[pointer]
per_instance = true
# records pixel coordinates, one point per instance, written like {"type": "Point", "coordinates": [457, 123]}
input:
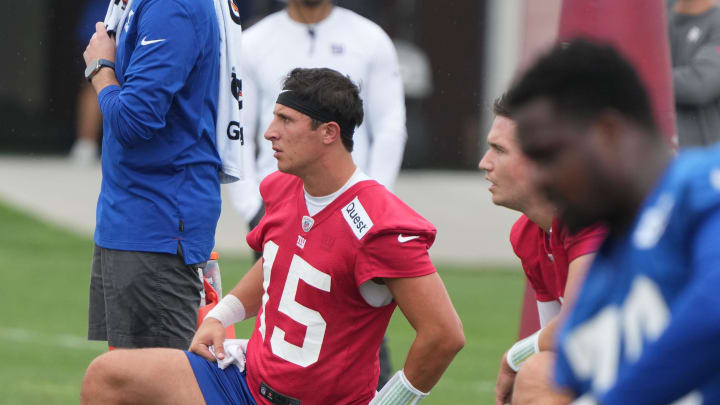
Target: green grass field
{"type": "Point", "coordinates": [44, 287]}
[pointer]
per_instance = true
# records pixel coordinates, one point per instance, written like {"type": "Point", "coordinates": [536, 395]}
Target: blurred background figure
{"type": "Point", "coordinates": [694, 31]}
{"type": "Point", "coordinates": [88, 120]}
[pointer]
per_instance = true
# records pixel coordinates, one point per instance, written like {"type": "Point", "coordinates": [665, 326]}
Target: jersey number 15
{"type": "Point", "coordinates": [309, 352]}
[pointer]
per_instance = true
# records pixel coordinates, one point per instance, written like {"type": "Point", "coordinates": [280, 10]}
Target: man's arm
{"type": "Point", "coordinates": [249, 289]}
{"type": "Point", "coordinates": [385, 114]}
{"type": "Point", "coordinates": [101, 46]}
{"type": "Point", "coordinates": [577, 269]}
{"type": "Point", "coordinates": [698, 82]}
{"type": "Point", "coordinates": [439, 334]}
{"type": "Point", "coordinates": [138, 108]}
{"type": "Point", "coordinates": [248, 293]}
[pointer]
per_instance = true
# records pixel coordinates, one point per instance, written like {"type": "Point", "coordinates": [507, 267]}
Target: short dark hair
{"type": "Point", "coordinates": [582, 78]}
{"type": "Point", "coordinates": [500, 106]}
{"type": "Point", "coordinates": [333, 92]}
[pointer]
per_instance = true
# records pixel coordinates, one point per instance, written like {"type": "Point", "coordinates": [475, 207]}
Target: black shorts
{"type": "Point", "coordinates": [143, 299]}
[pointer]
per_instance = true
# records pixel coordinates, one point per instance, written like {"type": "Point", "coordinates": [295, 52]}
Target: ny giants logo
{"type": "Point", "coordinates": [234, 130]}
{"type": "Point", "coordinates": [337, 49]}
{"type": "Point", "coordinates": [236, 88]}
{"type": "Point", "coordinates": [234, 8]}
{"type": "Point", "coordinates": [301, 242]}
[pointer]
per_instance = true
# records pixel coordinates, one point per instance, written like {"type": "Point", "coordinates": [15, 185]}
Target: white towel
{"type": "Point", "coordinates": [116, 15]}
{"type": "Point", "coordinates": [228, 132]}
{"type": "Point", "coordinates": [235, 350]}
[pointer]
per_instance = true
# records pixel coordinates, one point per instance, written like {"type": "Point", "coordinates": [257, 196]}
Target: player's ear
{"type": "Point", "coordinates": [608, 131]}
{"type": "Point", "coordinates": [331, 132]}
{"type": "Point", "coordinates": [609, 140]}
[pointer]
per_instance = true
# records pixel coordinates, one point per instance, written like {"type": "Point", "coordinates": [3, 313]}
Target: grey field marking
{"type": "Point", "coordinates": [35, 338]}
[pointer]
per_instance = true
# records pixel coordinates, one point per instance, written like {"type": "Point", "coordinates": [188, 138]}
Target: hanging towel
{"type": "Point", "coordinates": [116, 15]}
{"type": "Point", "coordinates": [228, 132]}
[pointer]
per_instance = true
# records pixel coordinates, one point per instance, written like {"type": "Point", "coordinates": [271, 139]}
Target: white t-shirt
{"type": "Point", "coordinates": [317, 204]}
{"type": "Point", "coordinates": [346, 42]}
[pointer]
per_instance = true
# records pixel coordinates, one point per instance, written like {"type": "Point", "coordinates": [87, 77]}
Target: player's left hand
{"type": "Point", "coordinates": [505, 382]}
{"type": "Point", "coordinates": [210, 333]}
{"type": "Point", "coordinates": [101, 46]}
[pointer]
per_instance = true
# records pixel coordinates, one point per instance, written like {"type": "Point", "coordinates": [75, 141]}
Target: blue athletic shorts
{"type": "Point", "coordinates": [220, 386]}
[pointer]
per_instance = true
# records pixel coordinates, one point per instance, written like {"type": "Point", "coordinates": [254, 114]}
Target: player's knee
{"type": "Point", "coordinates": [539, 365]}
{"type": "Point", "coordinates": [102, 379]}
{"type": "Point", "coordinates": [533, 383]}
{"type": "Point", "coordinates": [454, 337]}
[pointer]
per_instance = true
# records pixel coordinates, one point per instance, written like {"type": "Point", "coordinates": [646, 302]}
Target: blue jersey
{"type": "Point", "coordinates": [160, 166]}
{"type": "Point", "coordinates": [646, 326]}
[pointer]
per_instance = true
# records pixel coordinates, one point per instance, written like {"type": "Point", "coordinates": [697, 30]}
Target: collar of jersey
{"type": "Point", "coordinates": [342, 199]}
{"type": "Point", "coordinates": [314, 26]}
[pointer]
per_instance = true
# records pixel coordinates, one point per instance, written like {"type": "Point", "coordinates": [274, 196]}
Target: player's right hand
{"type": "Point", "coordinates": [100, 45]}
{"type": "Point", "coordinates": [210, 333]}
{"type": "Point", "coordinates": [505, 382]}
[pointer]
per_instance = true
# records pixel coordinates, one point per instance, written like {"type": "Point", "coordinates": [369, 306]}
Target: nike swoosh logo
{"type": "Point", "coordinates": [403, 239]}
{"type": "Point", "coordinates": [152, 41]}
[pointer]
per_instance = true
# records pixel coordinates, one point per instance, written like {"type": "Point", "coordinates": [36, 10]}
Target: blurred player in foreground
{"type": "Point", "coordinates": [340, 252]}
{"type": "Point", "coordinates": [645, 326]}
{"type": "Point", "coordinates": [554, 261]}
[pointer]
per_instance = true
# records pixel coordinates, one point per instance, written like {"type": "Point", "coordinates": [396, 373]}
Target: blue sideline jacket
{"type": "Point", "coordinates": [159, 161]}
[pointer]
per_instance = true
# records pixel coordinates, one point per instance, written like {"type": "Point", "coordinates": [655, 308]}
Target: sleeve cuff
{"type": "Point", "coordinates": [106, 93]}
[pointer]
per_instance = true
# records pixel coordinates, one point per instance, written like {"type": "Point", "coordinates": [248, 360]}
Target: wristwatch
{"type": "Point", "coordinates": [95, 66]}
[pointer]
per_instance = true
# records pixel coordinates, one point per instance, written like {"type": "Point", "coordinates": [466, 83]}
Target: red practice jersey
{"type": "Point", "coordinates": [545, 259]}
{"type": "Point", "coordinates": [316, 338]}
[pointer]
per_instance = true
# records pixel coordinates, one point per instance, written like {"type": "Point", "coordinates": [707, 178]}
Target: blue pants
{"type": "Point", "coordinates": [220, 386]}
